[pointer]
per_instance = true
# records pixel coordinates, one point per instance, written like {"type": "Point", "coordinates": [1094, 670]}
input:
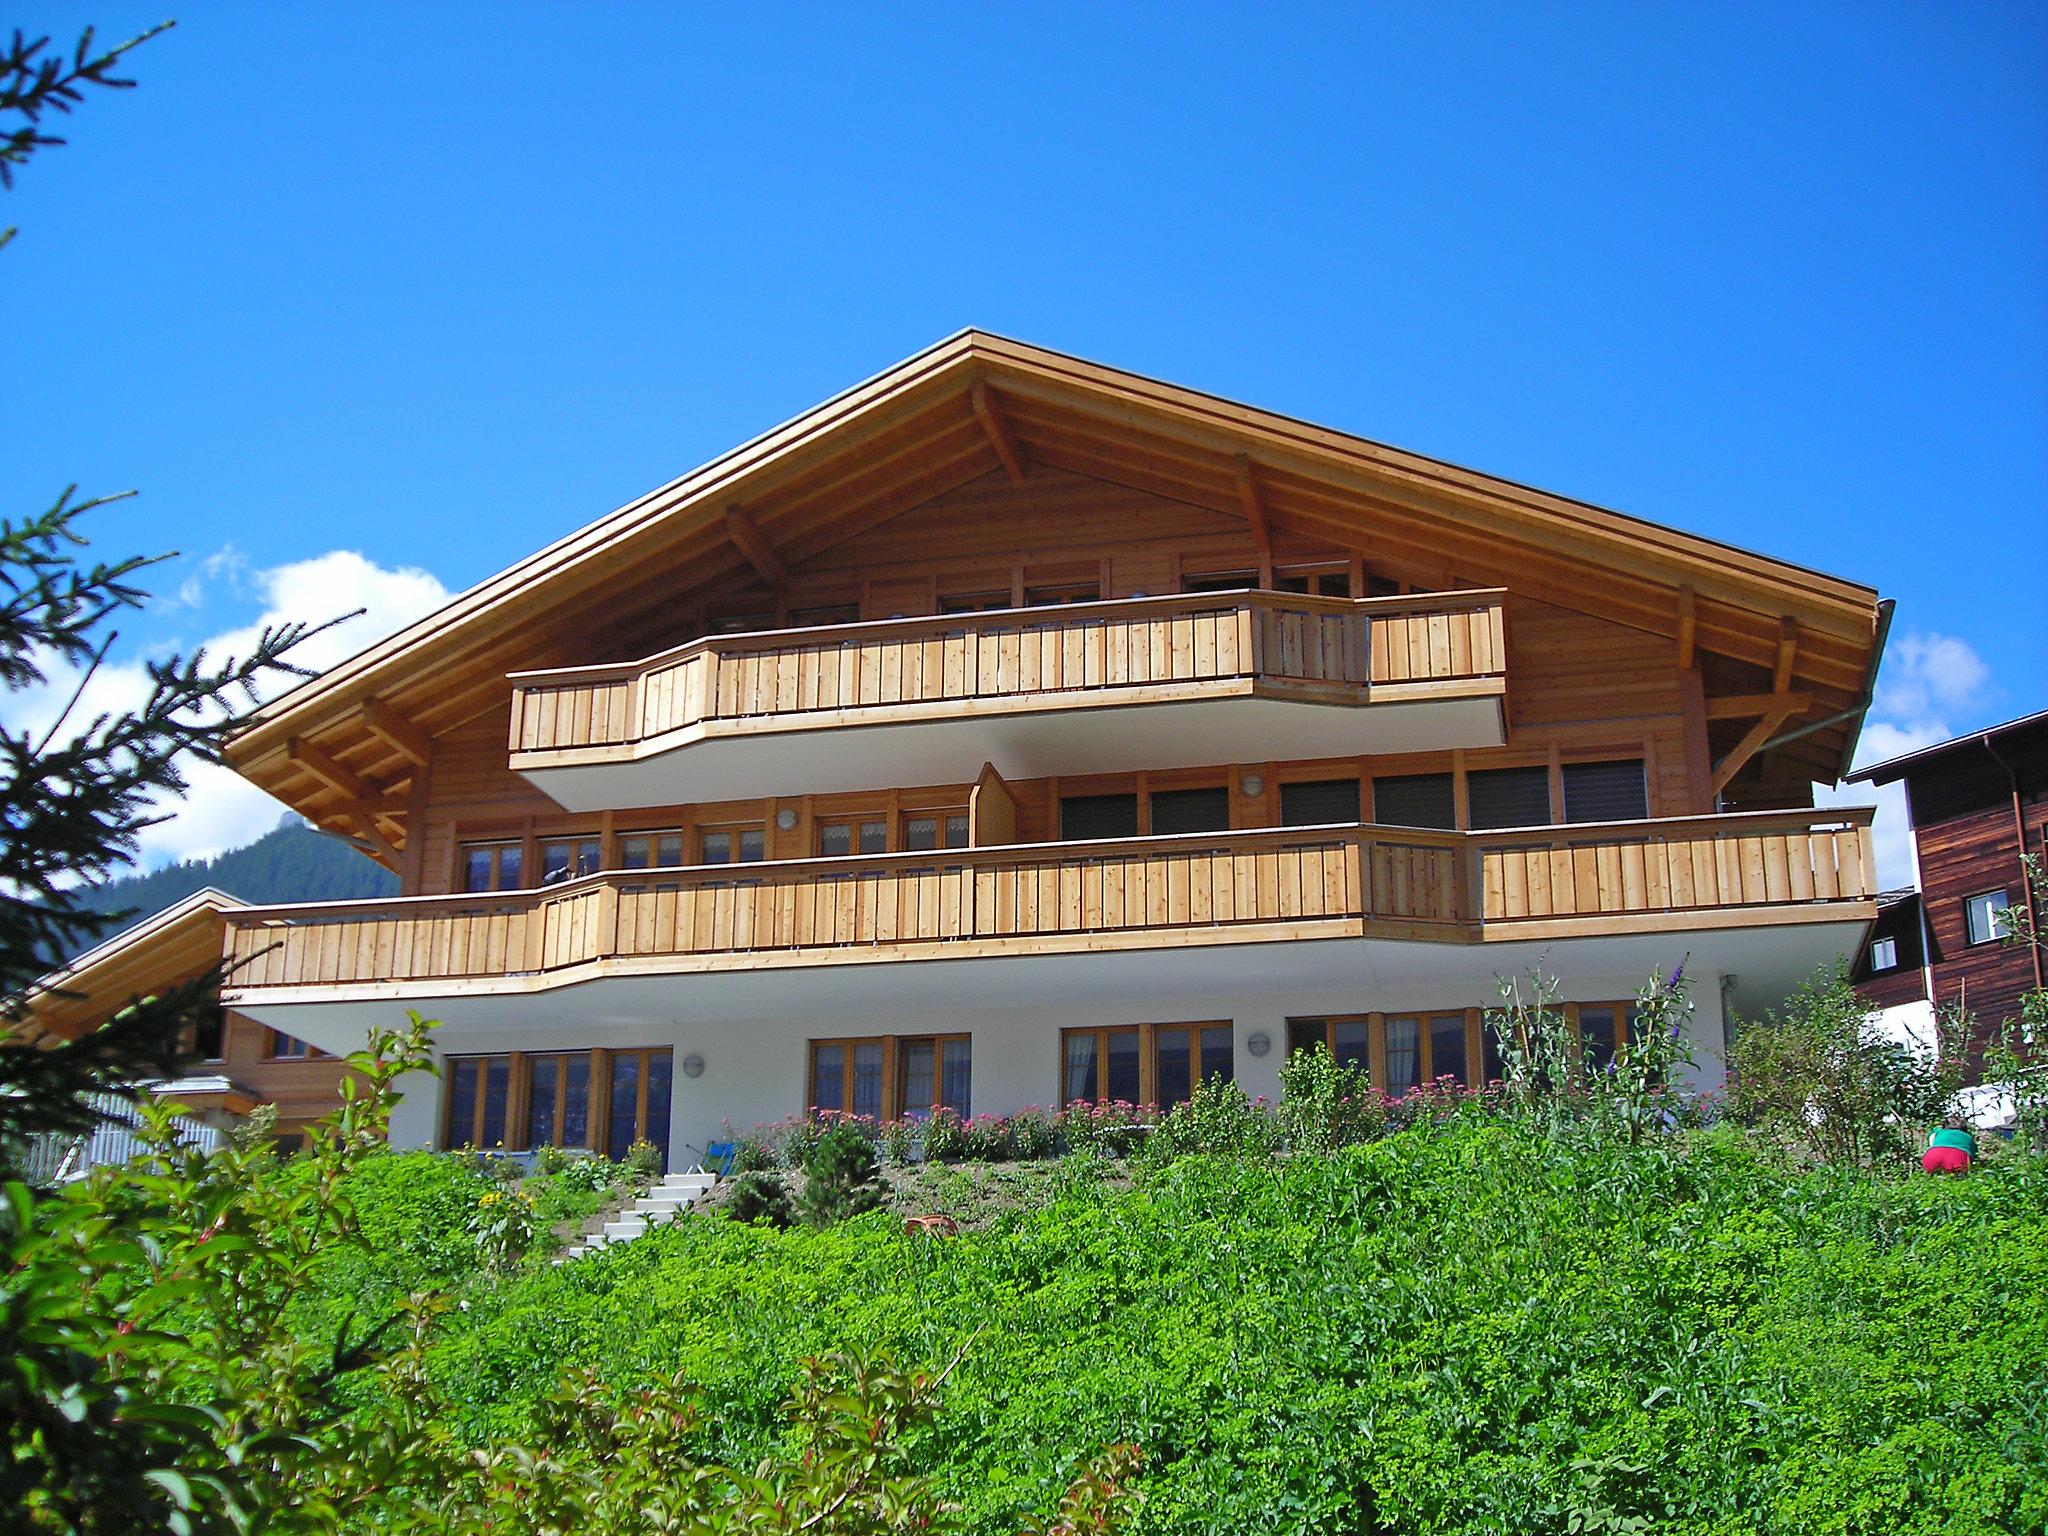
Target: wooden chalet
{"type": "Point", "coordinates": [1080, 735]}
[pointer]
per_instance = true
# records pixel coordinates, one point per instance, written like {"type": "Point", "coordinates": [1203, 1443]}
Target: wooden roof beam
{"type": "Point", "coordinates": [990, 415]}
{"type": "Point", "coordinates": [1254, 507]}
{"type": "Point", "coordinates": [1766, 727]}
{"type": "Point", "coordinates": [1688, 628]}
{"type": "Point", "coordinates": [1788, 653]}
{"type": "Point", "coordinates": [397, 732]}
{"type": "Point", "coordinates": [1747, 706]}
{"type": "Point", "coordinates": [340, 778]}
{"type": "Point", "coordinates": [367, 830]}
{"type": "Point", "coordinates": [752, 543]}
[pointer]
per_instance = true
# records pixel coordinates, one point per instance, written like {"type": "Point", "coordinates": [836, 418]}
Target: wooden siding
{"type": "Point", "coordinates": [1097, 652]}
{"type": "Point", "coordinates": [1962, 807]}
{"type": "Point", "coordinates": [1278, 884]}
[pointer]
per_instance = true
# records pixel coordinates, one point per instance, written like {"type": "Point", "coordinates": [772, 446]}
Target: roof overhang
{"type": "Point", "coordinates": [342, 747]}
{"type": "Point", "coordinates": [176, 944]}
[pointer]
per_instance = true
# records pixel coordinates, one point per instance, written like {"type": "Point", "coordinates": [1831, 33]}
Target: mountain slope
{"type": "Point", "coordinates": [291, 862]}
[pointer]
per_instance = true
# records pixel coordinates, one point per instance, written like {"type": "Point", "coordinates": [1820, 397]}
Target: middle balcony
{"type": "Point", "coordinates": [1153, 682]}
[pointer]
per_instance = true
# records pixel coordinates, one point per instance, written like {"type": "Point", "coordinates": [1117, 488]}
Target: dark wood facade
{"type": "Point", "coordinates": [1977, 804]}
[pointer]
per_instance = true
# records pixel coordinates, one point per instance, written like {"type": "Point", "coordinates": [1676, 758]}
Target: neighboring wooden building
{"type": "Point", "coordinates": [237, 1063]}
{"type": "Point", "coordinates": [1082, 735]}
{"type": "Point", "coordinates": [1977, 804]}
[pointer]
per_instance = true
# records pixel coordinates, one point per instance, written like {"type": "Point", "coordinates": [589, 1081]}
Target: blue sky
{"type": "Point", "coordinates": [352, 293]}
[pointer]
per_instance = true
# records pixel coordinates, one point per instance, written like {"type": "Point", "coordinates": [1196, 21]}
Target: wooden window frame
{"type": "Point", "coordinates": [601, 1096]}
{"type": "Point", "coordinates": [939, 814]}
{"type": "Point", "coordinates": [846, 1044]}
{"type": "Point", "coordinates": [735, 829]}
{"type": "Point", "coordinates": [653, 837]}
{"type": "Point", "coordinates": [1314, 573]}
{"type": "Point", "coordinates": [473, 1137]}
{"type": "Point", "coordinates": [273, 1047]}
{"type": "Point", "coordinates": [1376, 1041]}
{"type": "Point", "coordinates": [2003, 894]}
{"type": "Point", "coordinates": [1890, 944]}
{"type": "Point", "coordinates": [1148, 1056]}
{"type": "Point", "coordinates": [575, 841]}
{"type": "Point", "coordinates": [854, 822]}
{"type": "Point", "coordinates": [521, 1092]}
{"type": "Point", "coordinates": [497, 847]}
{"type": "Point", "coordinates": [895, 1094]}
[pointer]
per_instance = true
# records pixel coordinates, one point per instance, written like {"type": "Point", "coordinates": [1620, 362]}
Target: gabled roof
{"type": "Point", "coordinates": [338, 746]}
{"type": "Point", "coordinates": [160, 951]}
{"type": "Point", "coordinates": [1898, 767]}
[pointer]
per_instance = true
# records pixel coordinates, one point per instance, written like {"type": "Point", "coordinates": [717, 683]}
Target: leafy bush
{"type": "Point", "coordinates": [989, 1139]}
{"type": "Point", "coordinates": [503, 1225]}
{"type": "Point", "coordinates": [1108, 1130]}
{"type": "Point", "coordinates": [760, 1196]}
{"type": "Point", "coordinates": [550, 1160]}
{"type": "Point", "coordinates": [1219, 1119]}
{"type": "Point", "coordinates": [644, 1160]}
{"type": "Point", "coordinates": [945, 1136]}
{"type": "Point", "coordinates": [1818, 1076]}
{"type": "Point", "coordinates": [1326, 1104]}
{"type": "Point", "coordinates": [840, 1179]}
{"type": "Point", "coordinates": [753, 1154]}
{"type": "Point", "coordinates": [897, 1140]}
{"type": "Point", "coordinates": [1035, 1133]}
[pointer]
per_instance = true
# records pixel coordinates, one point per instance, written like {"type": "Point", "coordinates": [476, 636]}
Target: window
{"type": "Point", "coordinates": [742, 623]}
{"type": "Point", "coordinates": [1346, 1039]}
{"type": "Point", "coordinates": [1884, 954]}
{"type": "Point", "coordinates": [1509, 797]}
{"type": "Point", "coordinates": [934, 1071]}
{"type": "Point", "coordinates": [1085, 818]}
{"type": "Point", "coordinates": [1319, 803]}
{"type": "Point", "coordinates": [818, 618]}
{"type": "Point", "coordinates": [568, 858]}
{"type": "Point", "coordinates": [841, 839]}
{"type": "Point", "coordinates": [846, 1075]}
{"type": "Point", "coordinates": [1381, 586]}
{"type": "Point", "coordinates": [491, 866]}
{"type": "Point", "coordinates": [1599, 1033]}
{"type": "Point", "coordinates": [1615, 791]}
{"type": "Point", "coordinates": [1415, 800]}
{"type": "Point", "coordinates": [1060, 594]}
{"type": "Point", "coordinates": [479, 1094]}
{"type": "Point", "coordinates": [637, 1100]}
{"type": "Point", "coordinates": [1331, 583]}
{"type": "Point", "coordinates": [1411, 1049]}
{"type": "Point", "coordinates": [924, 830]}
{"type": "Point", "coordinates": [1220, 581]}
{"type": "Point", "coordinates": [653, 850]}
{"type": "Point", "coordinates": [1980, 914]}
{"type": "Point", "coordinates": [558, 1100]}
{"type": "Point", "coordinates": [284, 1047]}
{"type": "Point", "coordinates": [1190, 810]}
{"type": "Point", "coordinates": [1143, 1063]}
{"type": "Point", "coordinates": [973, 602]}
{"type": "Point", "coordinates": [207, 1037]}
{"type": "Point", "coordinates": [733, 845]}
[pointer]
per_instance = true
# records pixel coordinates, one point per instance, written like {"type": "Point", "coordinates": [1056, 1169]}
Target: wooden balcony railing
{"type": "Point", "coordinates": [1267, 885]}
{"type": "Point", "coordinates": [1339, 649]}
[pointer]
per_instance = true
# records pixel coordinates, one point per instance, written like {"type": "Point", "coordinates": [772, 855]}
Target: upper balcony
{"type": "Point", "coordinates": [1769, 894]}
{"type": "Point", "coordinates": [1157, 682]}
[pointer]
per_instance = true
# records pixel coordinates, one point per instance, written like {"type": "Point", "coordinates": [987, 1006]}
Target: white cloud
{"type": "Point", "coordinates": [221, 810]}
{"type": "Point", "coordinates": [1926, 681]}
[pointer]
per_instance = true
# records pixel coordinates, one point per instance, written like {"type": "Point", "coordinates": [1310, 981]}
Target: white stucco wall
{"type": "Point", "coordinates": [756, 1069]}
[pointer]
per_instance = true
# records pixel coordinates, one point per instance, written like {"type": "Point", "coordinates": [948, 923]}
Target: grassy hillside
{"type": "Point", "coordinates": [291, 862]}
{"type": "Point", "coordinates": [1467, 1326]}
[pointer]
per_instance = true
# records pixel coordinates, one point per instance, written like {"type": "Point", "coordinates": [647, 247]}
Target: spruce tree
{"type": "Point", "coordinates": [841, 1177]}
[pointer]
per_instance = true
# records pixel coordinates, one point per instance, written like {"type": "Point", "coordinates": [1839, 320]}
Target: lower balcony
{"type": "Point", "coordinates": [1771, 894]}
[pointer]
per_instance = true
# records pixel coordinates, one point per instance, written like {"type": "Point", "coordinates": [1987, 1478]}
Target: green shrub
{"type": "Point", "coordinates": [1219, 1119]}
{"type": "Point", "coordinates": [840, 1179]}
{"type": "Point", "coordinates": [753, 1154]}
{"type": "Point", "coordinates": [644, 1160]}
{"type": "Point", "coordinates": [1326, 1104]}
{"type": "Point", "coordinates": [989, 1139]}
{"type": "Point", "coordinates": [898, 1140]}
{"type": "Point", "coordinates": [550, 1160]}
{"type": "Point", "coordinates": [1036, 1134]}
{"type": "Point", "coordinates": [1819, 1077]}
{"type": "Point", "coordinates": [945, 1137]}
{"type": "Point", "coordinates": [760, 1197]}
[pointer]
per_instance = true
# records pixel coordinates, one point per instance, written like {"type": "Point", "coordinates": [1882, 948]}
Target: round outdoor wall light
{"type": "Point", "coordinates": [1253, 786]}
{"type": "Point", "coordinates": [1258, 1042]}
{"type": "Point", "coordinates": [693, 1065]}
{"type": "Point", "coordinates": [786, 819]}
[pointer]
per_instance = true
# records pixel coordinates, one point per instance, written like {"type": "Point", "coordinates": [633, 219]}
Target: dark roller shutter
{"type": "Point", "coordinates": [1319, 804]}
{"type": "Point", "coordinates": [1509, 797]}
{"type": "Point", "coordinates": [1414, 800]}
{"type": "Point", "coordinates": [1084, 818]}
{"type": "Point", "coordinates": [1605, 791]}
{"type": "Point", "coordinates": [1190, 810]}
